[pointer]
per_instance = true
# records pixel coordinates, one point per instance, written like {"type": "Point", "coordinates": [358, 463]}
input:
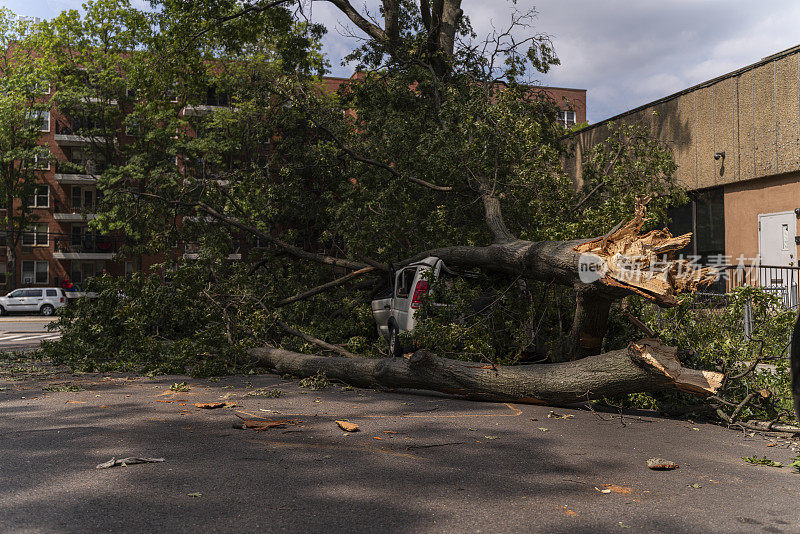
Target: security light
{"type": "Point", "coordinates": [720, 155]}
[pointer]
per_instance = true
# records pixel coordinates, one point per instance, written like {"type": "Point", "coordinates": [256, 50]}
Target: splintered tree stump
{"type": "Point", "coordinates": [646, 365]}
{"type": "Point", "coordinates": [643, 263]}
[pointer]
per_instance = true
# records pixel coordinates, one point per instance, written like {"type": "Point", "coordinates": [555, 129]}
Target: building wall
{"type": "Point", "coordinates": [753, 116]}
{"type": "Point", "coordinates": [566, 98]}
{"type": "Point", "coordinates": [745, 200]}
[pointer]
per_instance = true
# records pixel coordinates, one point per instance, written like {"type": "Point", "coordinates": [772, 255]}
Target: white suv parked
{"type": "Point", "coordinates": [44, 300]}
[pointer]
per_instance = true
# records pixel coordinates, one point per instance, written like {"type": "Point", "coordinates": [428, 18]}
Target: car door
{"type": "Point", "coordinates": [15, 300]}
{"type": "Point", "coordinates": [33, 300]}
{"type": "Point", "coordinates": [402, 296]}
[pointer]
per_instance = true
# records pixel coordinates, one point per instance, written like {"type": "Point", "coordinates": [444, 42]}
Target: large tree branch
{"type": "Point", "coordinates": [324, 287]}
{"type": "Point", "coordinates": [316, 341]}
{"type": "Point", "coordinates": [620, 263]}
{"type": "Point", "coordinates": [249, 8]}
{"type": "Point", "coordinates": [297, 252]}
{"type": "Point", "coordinates": [647, 365]}
{"type": "Point", "coordinates": [494, 219]}
{"type": "Point", "coordinates": [366, 26]}
{"type": "Point", "coordinates": [451, 14]}
{"type": "Point", "coordinates": [375, 163]}
{"type": "Point", "coordinates": [291, 249]}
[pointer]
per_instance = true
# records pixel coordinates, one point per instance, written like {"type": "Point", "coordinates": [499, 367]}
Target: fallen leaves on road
{"type": "Point", "coordinates": [260, 425]}
{"type": "Point", "coordinates": [124, 462]}
{"type": "Point", "coordinates": [613, 488]}
{"type": "Point", "coordinates": [556, 415]}
{"type": "Point", "coordinates": [761, 461]}
{"type": "Point", "coordinates": [347, 426]}
{"type": "Point", "coordinates": [195, 494]}
{"type": "Point", "coordinates": [209, 405]}
{"type": "Point", "coordinates": [660, 464]}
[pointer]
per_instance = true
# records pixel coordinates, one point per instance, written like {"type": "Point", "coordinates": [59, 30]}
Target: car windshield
{"type": "Point", "coordinates": [16, 294]}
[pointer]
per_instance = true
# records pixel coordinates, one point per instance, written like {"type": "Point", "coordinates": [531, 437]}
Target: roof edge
{"type": "Point", "coordinates": [763, 61]}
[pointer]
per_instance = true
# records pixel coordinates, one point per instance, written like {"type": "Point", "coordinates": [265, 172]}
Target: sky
{"type": "Point", "coordinates": [624, 53]}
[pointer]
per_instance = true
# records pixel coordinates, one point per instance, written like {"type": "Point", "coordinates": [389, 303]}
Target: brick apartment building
{"type": "Point", "coordinates": [736, 141]}
{"type": "Point", "coordinates": [61, 244]}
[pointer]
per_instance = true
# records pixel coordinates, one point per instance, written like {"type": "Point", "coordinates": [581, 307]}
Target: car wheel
{"type": "Point", "coordinates": [48, 310]}
{"type": "Point", "coordinates": [395, 348]}
{"type": "Point", "coordinates": [3, 311]}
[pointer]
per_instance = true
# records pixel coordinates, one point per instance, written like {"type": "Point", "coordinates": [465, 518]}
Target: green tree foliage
{"type": "Point", "coordinates": [712, 335]}
{"type": "Point", "coordinates": [24, 79]}
{"type": "Point", "coordinates": [405, 158]}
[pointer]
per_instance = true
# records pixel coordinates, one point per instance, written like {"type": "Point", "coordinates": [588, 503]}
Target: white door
{"type": "Point", "coordinates": [402, 296]}
{"type": "Point", "coordinates": [777, 248]}
{"type": "Point", "coordinates": [776, 233]}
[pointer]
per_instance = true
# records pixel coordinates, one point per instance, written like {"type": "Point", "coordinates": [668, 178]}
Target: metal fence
{"type": "Point", "coordinates": [782, 281]}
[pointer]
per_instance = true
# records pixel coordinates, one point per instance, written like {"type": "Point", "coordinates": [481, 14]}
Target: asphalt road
{"type": "Point", "coordinates": [418, 464]}
{"type": "Point", "coordinates": [21, 331]}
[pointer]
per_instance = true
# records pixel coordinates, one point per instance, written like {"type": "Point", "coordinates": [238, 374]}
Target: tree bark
{"type": "Point", "coordinates": [624, 261]}
{"type": "Point", "coordinates": [646, 365]}
{"type": "Point", "coordinates": [589, 324]}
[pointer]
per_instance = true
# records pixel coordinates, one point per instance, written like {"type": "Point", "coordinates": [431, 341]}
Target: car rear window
{"type": "Point", "coordinates": [33, 292]}
{"type": "Point", "coordinates": [52, 293]}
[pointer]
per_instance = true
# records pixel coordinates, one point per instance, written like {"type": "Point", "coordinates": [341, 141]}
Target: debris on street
{"type": "Point", "coordinates": [124, 462]}
{"type": "Point", "coordinates": [660, 464]}
{"type": "Point", "coordinates": [347, 426]}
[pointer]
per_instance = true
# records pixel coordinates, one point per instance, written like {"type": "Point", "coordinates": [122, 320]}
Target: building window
{"type": "Point", "coordinates": [42, 87]}
{"type": "Point", "coordinates": [566, 118]}
{"type": "Point", "coordinates": [42, 119]}
{"type": "Point", "coordinates": [35, 272]}
{"type": "Point", "coordinates": [83, 197]}
{"type": "Point", "coordinates": [133, 127]}
{"type": "Point", "coordinates": [3, 274]}
{"type": "Point", "coordinates": [35, 235]}
{"type": "Point", "coordinates": [129, 269]}
{"type": "Point", "coordinates": [82, 271]}
{"type": "Point", "coordinates": [40, 197]}
{"type": "Point", "coordinates": [40, 159]}
{"type": "Point", "coordinates": [704, 217]}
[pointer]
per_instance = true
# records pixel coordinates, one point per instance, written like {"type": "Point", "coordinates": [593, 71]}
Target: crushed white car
{"type": "Point", "coordinates": [395, 314]}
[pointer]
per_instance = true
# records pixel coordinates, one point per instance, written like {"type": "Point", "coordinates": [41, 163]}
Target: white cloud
{"type": "Point", "coordinates": [628, 53]}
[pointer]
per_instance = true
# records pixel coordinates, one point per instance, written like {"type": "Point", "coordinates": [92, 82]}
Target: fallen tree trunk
{"type": "Point", "coordinates": [646, 365]}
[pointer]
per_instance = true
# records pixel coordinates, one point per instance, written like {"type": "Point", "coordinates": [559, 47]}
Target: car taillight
{"type": "Point", "coordinates": [419, 292]}
{"type": "Point", "coordinates": [62, 299]}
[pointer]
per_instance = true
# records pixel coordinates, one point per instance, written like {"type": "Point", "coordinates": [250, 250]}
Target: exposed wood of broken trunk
{"type": "Point", "coordinates": [646, 365]}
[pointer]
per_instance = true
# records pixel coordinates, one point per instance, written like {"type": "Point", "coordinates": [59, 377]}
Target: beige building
{"type": "Point", "coordinates": [736, 140]}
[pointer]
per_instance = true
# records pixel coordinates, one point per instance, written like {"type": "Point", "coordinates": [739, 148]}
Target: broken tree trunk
{"type": "Point", "coordinates": [646, 365]}
{"type": "Point", "coordinates": [601, 270]}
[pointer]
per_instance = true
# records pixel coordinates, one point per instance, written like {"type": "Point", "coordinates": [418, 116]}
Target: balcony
{"type": "Point", "coordinates": [200, 110]}
{"type": "Point", "coordinates": [191, 251]}
{"type": "Point", "coordinates": [78, 173]}
{"type": "Point", "coordinates": [73, 213]}
{"type": "Point", "coordinates": [86, 246]}
{"type": "Point", "coordinates": [67, 135]}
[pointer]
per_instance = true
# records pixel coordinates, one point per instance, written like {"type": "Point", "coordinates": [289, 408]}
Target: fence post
{"type": "Point", "coordinates": [747, 319]}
